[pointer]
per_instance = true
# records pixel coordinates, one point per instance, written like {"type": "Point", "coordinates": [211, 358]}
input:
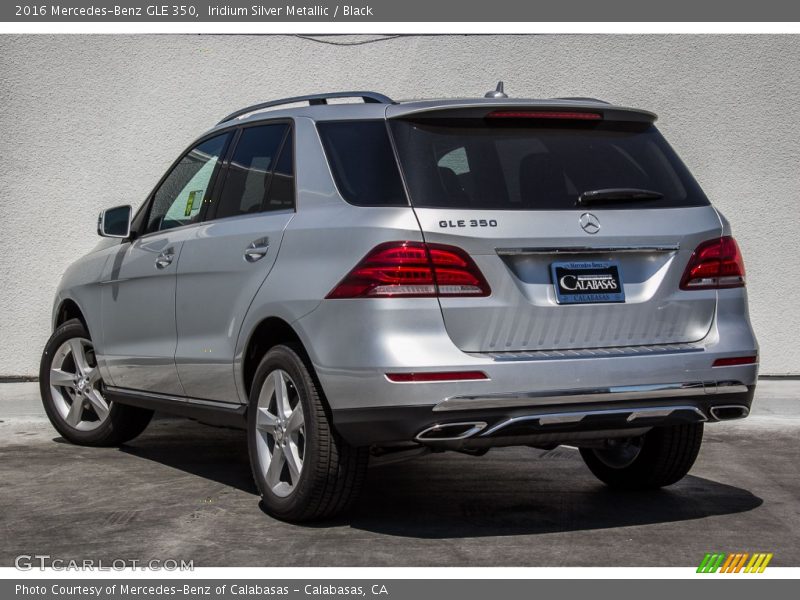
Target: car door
{"type": "Point", "coordinates": [227, 258]}
{"type": "Point", "coordinates": [138, 294]}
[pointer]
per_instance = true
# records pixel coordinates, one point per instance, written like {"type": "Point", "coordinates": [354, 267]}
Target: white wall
{"type": "Point", "coordinates": [89, 122]}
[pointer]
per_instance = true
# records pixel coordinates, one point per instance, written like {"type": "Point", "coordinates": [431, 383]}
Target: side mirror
{"type": "Point", "coordinates": [115, 222]}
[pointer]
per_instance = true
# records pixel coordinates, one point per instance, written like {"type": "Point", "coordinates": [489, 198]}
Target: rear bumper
{"type": "Point", "coordinates": [353, 344]}
{"type": "Point", "coordinates": [509, 420]}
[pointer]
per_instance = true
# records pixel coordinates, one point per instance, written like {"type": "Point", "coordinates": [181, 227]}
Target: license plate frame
{"type": "Point", "coordinates": [587, 282]}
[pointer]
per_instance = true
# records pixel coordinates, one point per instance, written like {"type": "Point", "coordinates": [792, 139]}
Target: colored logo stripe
{"type": "Point", "coordinates": [734, 563]}
{"type": "Point", "coordinates": [758, 563]}
{"type": "Point", "coordinates": [711, 562]}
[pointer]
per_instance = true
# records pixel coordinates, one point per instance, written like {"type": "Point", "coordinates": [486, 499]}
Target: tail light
{"type": "Point", "coordinates": [413, 270]}
{"type": "Point", "coordinates": [715, 264]}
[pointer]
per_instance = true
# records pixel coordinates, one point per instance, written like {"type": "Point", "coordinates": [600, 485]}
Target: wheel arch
{"type": "Point", "coordinates": [67, 310]}
{"type": "Point", "coordinates": [269, 333]}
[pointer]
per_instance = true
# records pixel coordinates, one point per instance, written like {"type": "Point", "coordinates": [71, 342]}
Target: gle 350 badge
{"type": "Point", "coordinates": [587, 282]}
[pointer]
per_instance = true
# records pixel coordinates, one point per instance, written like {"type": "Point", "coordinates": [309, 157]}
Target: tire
{"type": "Point", "coordinates": [665, 455]}
{"type": "Point", "coordinates": [303, 469]}
{"type": "Point", "coordinates": [63, 381]}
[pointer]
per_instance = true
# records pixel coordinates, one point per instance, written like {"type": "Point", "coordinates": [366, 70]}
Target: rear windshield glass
{"type": "Point", "coordinates": [362, 162]}
{"type": "Point", "coordinates": [518, 165]}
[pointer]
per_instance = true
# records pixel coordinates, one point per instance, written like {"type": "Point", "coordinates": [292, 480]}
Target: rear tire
{"type": "Point", "coordinates": [659, 458]}
{"type": "Point", "coordinates": [303, 469]}
{"type": "Point", "coordinates": [72, 393]}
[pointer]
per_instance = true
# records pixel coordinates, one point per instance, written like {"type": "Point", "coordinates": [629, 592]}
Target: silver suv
{"type": "Point", "coordinates": [347, 280]}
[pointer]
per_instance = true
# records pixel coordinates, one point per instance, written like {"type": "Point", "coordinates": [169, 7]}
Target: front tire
{"type": "Point", "coordinates": [659, 458]}
{"type": "Point", "coordinates": [303, 469]}
{"type": "Point", "coordinates": [72, 393]}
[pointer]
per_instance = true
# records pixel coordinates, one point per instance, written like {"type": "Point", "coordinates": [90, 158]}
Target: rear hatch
{"type": "Point", "coordinates": [504, 183]}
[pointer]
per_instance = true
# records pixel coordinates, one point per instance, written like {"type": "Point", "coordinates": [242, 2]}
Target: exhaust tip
{"type": "Point", "coordinates": [729, 412]}
{"type": "Point", "coordinates": [445, 432]}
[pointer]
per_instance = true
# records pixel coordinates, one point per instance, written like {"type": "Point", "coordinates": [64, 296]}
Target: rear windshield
{"type": "Point", "coordinates": [518, 165]}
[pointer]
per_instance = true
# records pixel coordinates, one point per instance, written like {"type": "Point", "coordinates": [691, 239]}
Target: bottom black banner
{"type": "Point", "coordinates": [396, 589]}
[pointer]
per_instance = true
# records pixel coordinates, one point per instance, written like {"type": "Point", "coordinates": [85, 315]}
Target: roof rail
{"type": "Point", "coordinates": [312, 99]}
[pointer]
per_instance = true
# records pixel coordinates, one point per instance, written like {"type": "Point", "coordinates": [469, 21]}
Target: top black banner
{"type": "Point", "coordinates": [365, 11]}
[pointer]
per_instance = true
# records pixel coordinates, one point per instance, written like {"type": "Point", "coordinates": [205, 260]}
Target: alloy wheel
{"type": "Point", "coordinates": [280, 433]}
{"type": "Point", "coordinates": [76, 385]}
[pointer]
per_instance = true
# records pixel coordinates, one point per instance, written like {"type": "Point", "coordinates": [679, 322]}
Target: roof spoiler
{"type": "Point", "coordinates": [479, 109]}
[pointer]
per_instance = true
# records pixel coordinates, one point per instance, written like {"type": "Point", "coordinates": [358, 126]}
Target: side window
{"type": "Point", "coordinates": [454, 175]}
{"type": "Point", "coordinates": [455, 160]}
{"type": "Point", "coordinates": [362, 161]}
{"type": "Point", "coordinates": [250, 170]}
{"type": "Point", "coordinates": [179, 198]}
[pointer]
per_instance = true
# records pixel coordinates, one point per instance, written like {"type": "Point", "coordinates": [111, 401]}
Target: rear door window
{"type": "Point", "coordinates": [249, 176]}
{"type": "Point", "coordinates": [518, 165]}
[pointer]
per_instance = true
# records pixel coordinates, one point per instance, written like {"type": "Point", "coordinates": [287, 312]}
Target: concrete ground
{"type": "Point", "coordinates": [183, 491]}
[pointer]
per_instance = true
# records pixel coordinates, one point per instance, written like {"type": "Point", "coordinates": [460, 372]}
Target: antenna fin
{"type": "Point", "coordinates": [498, 92]}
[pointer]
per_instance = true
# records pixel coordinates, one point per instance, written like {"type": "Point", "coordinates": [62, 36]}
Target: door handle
{"type": "Point", "coordinates": [165, 258]}
{"type": "Point", "coordinates": [256, 250]}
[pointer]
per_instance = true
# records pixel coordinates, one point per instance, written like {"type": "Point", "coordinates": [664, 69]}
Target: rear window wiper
{"type": "Point", "coordinates": [612, 194]}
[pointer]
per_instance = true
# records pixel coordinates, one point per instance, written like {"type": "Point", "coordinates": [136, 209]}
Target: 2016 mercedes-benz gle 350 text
{"type": "Point", "coordinates": [372, 278]}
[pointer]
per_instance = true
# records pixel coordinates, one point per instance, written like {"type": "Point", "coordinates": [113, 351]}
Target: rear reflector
{"type": "Point", "coordinates": [715, 264]}
{"type": "Point", "coordinates": [735, 361]}
{"type": "Point", "coordinates": [413, 270]}
{"type": "Point", "coordinates": [545, 114]}
{"type": "Point", "coordinates": [436, 376]}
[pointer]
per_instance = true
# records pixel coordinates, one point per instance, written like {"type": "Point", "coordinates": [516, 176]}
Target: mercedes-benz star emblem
{"type": "Point", "coordinates": [589, 223]}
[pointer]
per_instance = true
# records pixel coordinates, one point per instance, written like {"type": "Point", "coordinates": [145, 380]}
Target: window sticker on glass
{"type": "Point", "coordinates": [190, 202]}
{"type": "Point", "coordinates": [196, 186]}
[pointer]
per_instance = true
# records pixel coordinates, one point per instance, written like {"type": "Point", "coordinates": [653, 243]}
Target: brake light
{"type": "Point", "coordinates": [413, 270]}
{"type": "Point", "coordinates": [432, 376]}
{"type": "Point", "coordinates": [715, 264]}
{"type": "Point", "coordinates": [545, 114]}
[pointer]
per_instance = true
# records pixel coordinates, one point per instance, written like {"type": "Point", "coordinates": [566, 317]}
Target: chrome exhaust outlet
{"type": "Point", "coordinates": [728, 412]}
{"type": "Point", "coordinates": [447, 432]}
